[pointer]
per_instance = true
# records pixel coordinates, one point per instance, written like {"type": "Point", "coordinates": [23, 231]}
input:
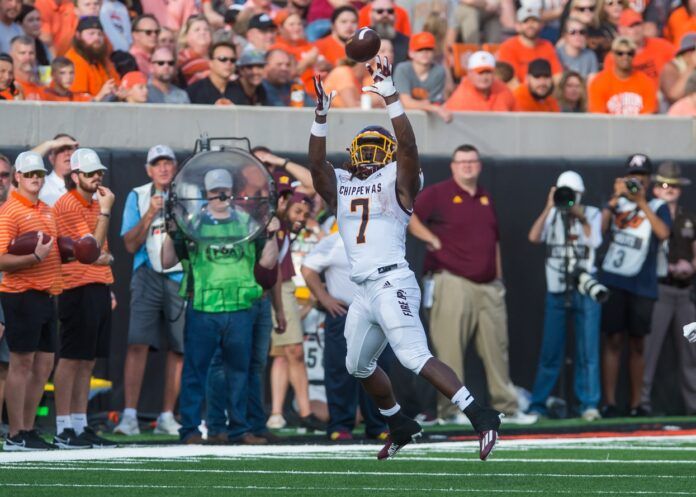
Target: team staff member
{"type": "Point", "coordinates": [457, 220]}
{"type": "Point", "coordinates": [343, 391]}
{"type": "Point", "coordinates": [84, 307]}
{"type": "Point", "coordinates": [674, 307]}
{"type": "Point", "coordinates": [155, 301]}
{"type": "Point", "coordinates": [637, 226]}
{"type": "Point", "coordinates": [28, 285]}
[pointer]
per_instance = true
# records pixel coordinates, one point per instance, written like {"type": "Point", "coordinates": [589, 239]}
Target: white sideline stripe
{"type": "Point", "coordinates": [330, 473]}
{"type": "Point", "coordinates": [467, 449]}
{"type": "Point", "coordinates": [354, 489]}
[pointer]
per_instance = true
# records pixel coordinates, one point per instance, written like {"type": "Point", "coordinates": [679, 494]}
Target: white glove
{"type": "Point", "coordinates": [382, 75]}
{"type": "Point", "coordinates": [323, 100]}
{"type": "Point", "coordinates": [690, 332]}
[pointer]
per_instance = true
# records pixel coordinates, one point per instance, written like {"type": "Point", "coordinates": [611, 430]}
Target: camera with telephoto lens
{"type": "Point", "coordinates": [588, 285]}
{"type": "Point", "coordinates": [633, 185]}
{"type": "Point", "coordinates": [564, 198]}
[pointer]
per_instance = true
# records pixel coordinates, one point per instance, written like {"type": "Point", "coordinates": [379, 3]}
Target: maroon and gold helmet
{"type": "Point", "coordinates": [372, 149]}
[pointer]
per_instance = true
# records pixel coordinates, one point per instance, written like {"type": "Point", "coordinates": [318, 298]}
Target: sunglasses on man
{"type": "Point", "coordinates": [384, 11]}
{"type": "Point", "coordinates": [34, 174]}
{"type": "Point", "coordinates": [164, 62]}
{"type": "Point", "coordinates": [91, 174]}
{"type": "Point", "coordinates": [627, 53]}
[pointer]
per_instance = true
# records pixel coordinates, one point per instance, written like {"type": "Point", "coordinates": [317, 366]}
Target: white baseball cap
{"type": "Point", "coordinates": [572, 180]}
{"type": "Point", "coordinates": [86, 160]}
{"type": "Point", "coordinates": [481, 61]}
{"type": "Point", "coordinates": [527, 11]}
{"type": "Point", "coordinates": [29, 161]}
{"type": "Point", "coordinates": [160, 152]}
{"type": "Point", "coordinates": [217, 178]}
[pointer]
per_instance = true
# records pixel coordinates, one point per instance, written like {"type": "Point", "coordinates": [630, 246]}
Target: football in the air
{"type": "Point", "coordinates": [87, 249]}
{"type": "Point", "coordinates": [363, 45]}
{"type": "Point", "coordinates": [66, 247]}
{"type": "Point", "coordinates": [25, 244]}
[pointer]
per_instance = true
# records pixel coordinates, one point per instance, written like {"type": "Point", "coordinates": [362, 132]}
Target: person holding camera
{"type": "Point", "coordinates": [637, 226]}
{"type": "Point", "coordinates": [674, 307]}
{"type": "Point", "coordinates": [572, 232]}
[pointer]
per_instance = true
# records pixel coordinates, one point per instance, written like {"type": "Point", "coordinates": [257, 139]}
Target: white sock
{"type": "Point", "coordinates": [79, 422]}
{"type": "Point", "coordinates": [129, 412]}
{"type": "Point", "coordinates": [462, 398]}
{"type": "Point", "coordinates": [166, 415]}
{"type": "Point", "coordinates": [391, 411]}
{"type": "Point", "coordinates": [63, 423]}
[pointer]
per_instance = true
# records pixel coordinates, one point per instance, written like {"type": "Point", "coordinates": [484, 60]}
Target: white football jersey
{"type": "Point", "coordinates": [372, 222]}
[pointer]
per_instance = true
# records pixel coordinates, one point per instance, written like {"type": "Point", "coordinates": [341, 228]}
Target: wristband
{"type": "Point", "coordinates": [320, 129]}
{"type": "Point", "coordinates": [395, 109]}
{"type": "Point", "coordinates": [287, 161]}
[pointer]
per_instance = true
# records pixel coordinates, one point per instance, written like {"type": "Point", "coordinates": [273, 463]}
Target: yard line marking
{"type": "Point", "coordinates": [370, 489]}
{"type": "Point", "coordinates": [330, 473]}
{"type": "Point", "coordinates": [328, 451]}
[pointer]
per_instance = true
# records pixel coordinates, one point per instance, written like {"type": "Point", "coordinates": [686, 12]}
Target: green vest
{"type": "Point", "coordinates": [219, 275]}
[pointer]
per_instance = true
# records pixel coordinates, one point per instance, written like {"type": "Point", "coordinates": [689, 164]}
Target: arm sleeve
{"type": "Point", "coordinates": [320, 256]}
{"type": "Point", "coordinates": [131, 214]}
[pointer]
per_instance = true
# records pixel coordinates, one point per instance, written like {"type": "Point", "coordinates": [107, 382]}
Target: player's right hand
{"type": "Point", "coordinates": [323, 100]}
{"type": "Point", "coordinates": [43, 249]}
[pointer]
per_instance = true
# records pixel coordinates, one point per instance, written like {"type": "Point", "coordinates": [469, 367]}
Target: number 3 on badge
{"type": "Point", "coordinates": [364, 204]}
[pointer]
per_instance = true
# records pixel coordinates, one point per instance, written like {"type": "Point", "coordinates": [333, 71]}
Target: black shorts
{"type": "Point", "coordinates": [625, 311]}
{"type": "Point", "coordinates": [85, 322]}
{"type": "Point", "coordinates": [30, 321]}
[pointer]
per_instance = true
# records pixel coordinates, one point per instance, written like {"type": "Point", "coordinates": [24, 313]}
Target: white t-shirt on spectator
{"type": "Point", "coordinates": [117, 26]}
{"type": "Point", "coordinates": [53, 189]}
{"type": "Point", "coordinates": [329, 257]}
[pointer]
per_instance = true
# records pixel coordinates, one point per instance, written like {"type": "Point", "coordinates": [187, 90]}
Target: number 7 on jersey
{"type": "Point", "coordinates": [364, 204]}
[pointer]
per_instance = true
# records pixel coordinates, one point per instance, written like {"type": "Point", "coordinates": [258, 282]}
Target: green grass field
{"type": "Point", "coordinates": [652, 466]}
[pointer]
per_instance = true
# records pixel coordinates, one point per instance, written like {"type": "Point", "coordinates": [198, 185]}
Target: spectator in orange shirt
{"type": "Point", "coordinates": [194, 43]}
{"type": "Point", "coordinates": [26, 71]}
{"type": "Point", "coordinates": [134, 88]}
{"type": "Point", "coordinates": [7, 88]}
{"type": "Point", "coordinates": [346, 81]}
{"type": "Point", "coordinates": [261, 33]}
{"type": "Point", "coordinates": [291, 38]}
{"type": "Point", "coordinates": [84, 307]}
{"type": "Point", "coordinates": [681, 21]}
{"type": "Point", "coordinates": [520, 50]}
{"type": "Point", "coordinates": [652, 53]}
{"type": "Point", "coordinates": [420, 81]}
{"type": "Point", "coordinates": [93, 69]}
{"type": "Point", "coordinates": [402, 23]}
{"type": "Point", "coordinates": [677, 71]}
{"type": "Point", "coordinates": [382, 20]}
{"type": "Point", "coordinates": [27, 291]}
{"type": "Point", "coordinates": [58, 21]}
{"type": "Point", "coordinates": [536, 94]}
{"type": "Point", "coordinates": [145, 31]}
{"type": "Point", "coordinates": [622, 90]}
{"type": "Point", "coordinates": [481, 91]}
{"type": "Point", "coordinates": [344, 22]}
{"type": "Point", "coordinates": [62, 78]}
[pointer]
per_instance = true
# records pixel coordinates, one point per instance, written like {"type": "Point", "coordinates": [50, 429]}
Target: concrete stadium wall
{"type": "Point", "coordinates": [498, 134]}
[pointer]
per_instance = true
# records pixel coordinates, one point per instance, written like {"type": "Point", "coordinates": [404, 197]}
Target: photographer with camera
{"type": "Point", "coordinates": [637, 226]}
{"type": "Point", "coordinates": [572, 232]}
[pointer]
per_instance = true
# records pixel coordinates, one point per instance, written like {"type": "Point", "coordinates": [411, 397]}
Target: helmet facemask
{"type": "Point", "coordinates": [371, 149]}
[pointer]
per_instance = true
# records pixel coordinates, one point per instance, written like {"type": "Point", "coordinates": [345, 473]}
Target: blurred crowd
{"type": "Point", "coordinates": [624, 57]}
{"type": "Point", "coordinates": [237, 320]}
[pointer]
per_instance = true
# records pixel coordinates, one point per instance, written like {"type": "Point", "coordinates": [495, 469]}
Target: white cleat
{"type": "Point", "coordinates": [166, 425]}
{"type": "Point", "coordinates": [128, 426]}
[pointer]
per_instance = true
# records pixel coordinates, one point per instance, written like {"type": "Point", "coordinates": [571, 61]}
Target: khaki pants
{"type": "Point", "coordinates": [462, 311]}
{"type": "Point", "coordinates": [470, 21]}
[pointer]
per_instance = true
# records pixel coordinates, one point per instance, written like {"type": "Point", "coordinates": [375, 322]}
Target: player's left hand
{"type": "Point", "coordinates": [323, 100]}
{"type": "Point", "coordinates": [382, 76]}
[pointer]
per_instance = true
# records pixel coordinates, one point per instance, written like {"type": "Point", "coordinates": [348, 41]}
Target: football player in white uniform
{"type": "Point", "coordinates": [373, 199]}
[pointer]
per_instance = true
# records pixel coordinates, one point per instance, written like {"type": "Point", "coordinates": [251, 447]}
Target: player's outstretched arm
{"type": "Point", "coordinates": [323, 175]}
{"type": "Point", "coordinates": [408, 170]}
